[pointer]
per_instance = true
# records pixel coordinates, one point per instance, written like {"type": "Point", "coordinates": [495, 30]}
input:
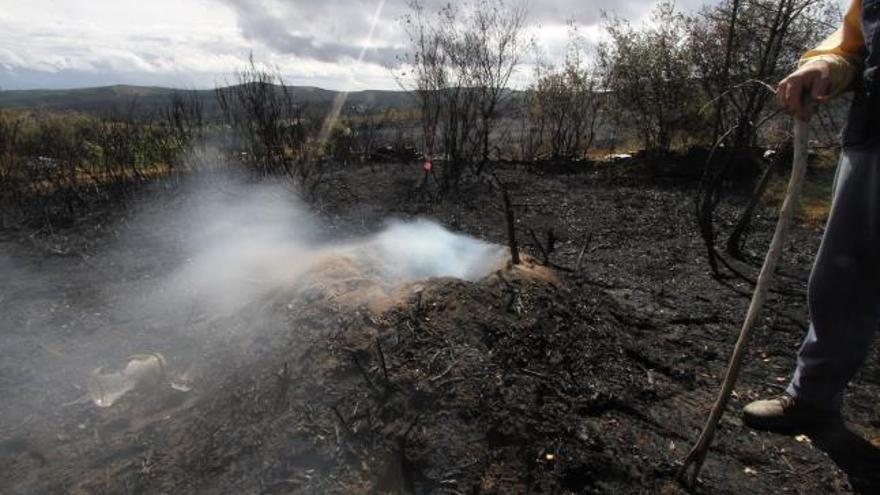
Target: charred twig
{"type": "Point", "coordinates": [433, 359]}
{"type": "Point", "coordinates": [551, 242]}
{"type": "Point", "coordinates": [283, 386]}
{"type": "Point", "coordinates": [411, 426]}
{"type": "Point", "coordinates": [342, 420]}
{"type": "Point", "coordinates": [511, 227]}
{"type": "Point", "coordinates": [511, 221]}
{"type": "Point", "coordinates": [545, 256]}
{"type": "Point", "coordinates": [382, 362]}
{"type": "Point", "coordinates": [511, 303]}
{"type": "Point", "coordinates": [535, 374]}
{"type": "Point", "coordinates": [546, 249]}
{"type": "Point", "coordinates": [363, 371]}
{"type": "Point", "coordinates": [580, 258]}
{"type": "Point", "coordinates": [444, 372]}
{"type": "Point", "coordinates": [419, 302]}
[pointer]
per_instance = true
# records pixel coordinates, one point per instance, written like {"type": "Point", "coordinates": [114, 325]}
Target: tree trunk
{"type": "Point", "coordinates": [737, 238]}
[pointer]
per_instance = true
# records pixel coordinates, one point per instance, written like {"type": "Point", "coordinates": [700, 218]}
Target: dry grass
{"type": "Point", "coordinates": [815, 199]}
{"type": "Point", "coordinates": [88, 178]}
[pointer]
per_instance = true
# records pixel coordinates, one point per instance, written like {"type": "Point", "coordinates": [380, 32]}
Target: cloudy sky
{"type": "Point", "coordinates": [198, 43]}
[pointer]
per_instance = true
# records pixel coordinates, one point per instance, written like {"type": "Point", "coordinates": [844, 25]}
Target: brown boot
{"type": "Point", "coordinates": [785, 414]}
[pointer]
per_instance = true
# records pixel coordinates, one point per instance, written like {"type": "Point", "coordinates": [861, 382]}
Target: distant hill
{"type": "Point", "coordinates": [117, 98]}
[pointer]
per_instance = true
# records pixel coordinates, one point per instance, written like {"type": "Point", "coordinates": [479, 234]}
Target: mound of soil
{"type": "Point", "coordinates": [514, 381]}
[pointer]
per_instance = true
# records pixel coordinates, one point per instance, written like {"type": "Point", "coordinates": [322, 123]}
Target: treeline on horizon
{"type": "Point", "coordinates": [677, 81]}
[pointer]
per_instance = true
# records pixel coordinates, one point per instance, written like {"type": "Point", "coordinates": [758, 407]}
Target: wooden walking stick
{"type": "Point", "coordinates": [694, 460]}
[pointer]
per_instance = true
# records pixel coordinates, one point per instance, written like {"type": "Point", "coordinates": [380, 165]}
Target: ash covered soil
{"type": "Point", "coordinates": [529, 380]}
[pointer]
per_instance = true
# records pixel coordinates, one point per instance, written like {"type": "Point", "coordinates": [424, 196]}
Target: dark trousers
{"type": "Point", "coordinates": [844, 288]}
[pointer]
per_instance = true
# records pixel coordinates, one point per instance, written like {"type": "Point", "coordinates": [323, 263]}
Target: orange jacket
{"type": "Point", "coordinates": [844, 50]}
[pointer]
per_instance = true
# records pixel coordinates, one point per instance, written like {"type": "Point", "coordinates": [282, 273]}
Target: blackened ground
{"type": "Point", "coordinates": [595, 382]}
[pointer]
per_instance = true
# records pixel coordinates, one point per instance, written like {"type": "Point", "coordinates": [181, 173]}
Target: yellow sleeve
{"type": "Point", "coordinates": [844, 50]}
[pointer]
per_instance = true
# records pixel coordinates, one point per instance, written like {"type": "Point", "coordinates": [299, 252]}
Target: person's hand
{"type": "Point", "coordinates": [800, 92]}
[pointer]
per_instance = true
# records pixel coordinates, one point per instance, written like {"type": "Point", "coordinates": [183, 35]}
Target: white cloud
{"type": "Point", "coordinates": [161, 37]}
{"type": "Point", "coordinates": [196, 43]}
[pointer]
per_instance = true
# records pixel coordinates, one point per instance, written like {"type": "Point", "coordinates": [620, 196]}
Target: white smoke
{"type": "Point", "coordinates": [245, 242]}
{"type": "Point", "coordinates": [423, 249]}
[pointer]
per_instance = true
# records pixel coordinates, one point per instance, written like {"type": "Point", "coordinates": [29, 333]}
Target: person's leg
{"type": "Point", "coordinates": [844, 288]}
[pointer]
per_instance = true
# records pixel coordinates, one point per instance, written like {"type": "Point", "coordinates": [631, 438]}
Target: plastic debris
{"type": "Point", "coordinates": [182, 382]}
{"type": "Point", "coordinates": [106, 387]}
